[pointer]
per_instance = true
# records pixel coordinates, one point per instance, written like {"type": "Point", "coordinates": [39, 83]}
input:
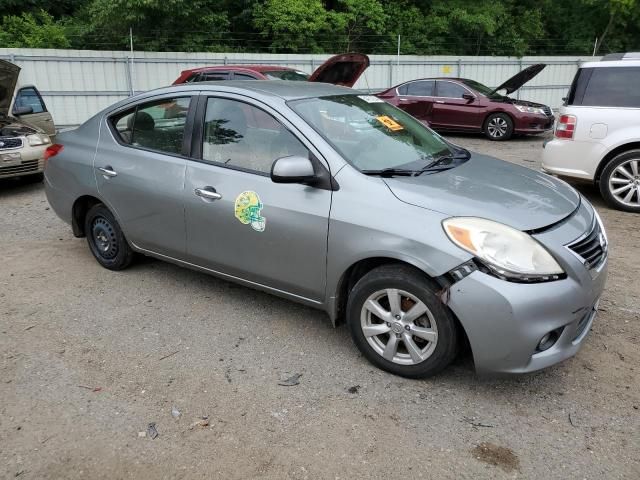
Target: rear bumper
{"type": "Point", "coordinates": [572, 158]}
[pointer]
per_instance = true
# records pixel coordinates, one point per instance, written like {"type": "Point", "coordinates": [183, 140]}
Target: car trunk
{"type": "Point", "coordinates": [344, 69]}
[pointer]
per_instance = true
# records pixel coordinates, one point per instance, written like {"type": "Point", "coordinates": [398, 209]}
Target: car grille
{"type": "Point", "coordinates": [27, 166]}
{"type": "Point", "coordinates": [6, 143]}
{"type": "Point", "coordinates": [547, 111]}
{"type": "Point", "coordinates": [592, 248]}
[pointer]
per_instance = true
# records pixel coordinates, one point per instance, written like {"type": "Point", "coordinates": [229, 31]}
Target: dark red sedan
{"type": "Point", "coordinates": [460, 104]}
{"type": "Point", "coordinates": [343, 69]}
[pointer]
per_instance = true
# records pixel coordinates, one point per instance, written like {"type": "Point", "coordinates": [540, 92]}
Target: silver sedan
{"type": "Point", "coordinates": [335, 199]}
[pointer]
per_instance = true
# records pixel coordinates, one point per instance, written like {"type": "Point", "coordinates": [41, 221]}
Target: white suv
{"type": "Point", "coordinates": [597, 135]}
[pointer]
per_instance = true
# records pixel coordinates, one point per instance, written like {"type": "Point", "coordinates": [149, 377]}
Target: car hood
{"type": "Point", "coordinates": [520, 78]}
{"type": "Point", "coordinates": [493, 189]}
{"type": "Point", "coordinates": [12, 127]}
{"type": "Point", "coordinates": [8, 79]}
{"type": "Point", "coordinates": [344, 69]}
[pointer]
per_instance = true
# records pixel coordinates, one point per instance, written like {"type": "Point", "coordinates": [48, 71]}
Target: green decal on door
{"type": "Point", "coordinates": [247, 210]}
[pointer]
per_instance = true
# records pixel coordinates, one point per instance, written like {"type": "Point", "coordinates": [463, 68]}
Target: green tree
{"type": "Point", "coordinates": [291, 25]}
{"type": "Point", "coordinates": [32, 30]}
{"type": "Point", "coordinates": [355, 23]}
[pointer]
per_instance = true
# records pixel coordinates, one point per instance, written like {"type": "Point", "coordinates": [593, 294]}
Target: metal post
{"type": "Point", "coordinates": [128, 72]}
{"type": "Point", "coordinates": [313, 65]}
{"type": "Point", "coordinates": [520, 69]}
{"type": "Point", "coordinates": [131, 73]}
{"type": "Point", "coordinates": [459, 68]}
{"type": "Point", "coordinates": [391, 73]}
{"type": "Point", "coordinates": [398, 61]}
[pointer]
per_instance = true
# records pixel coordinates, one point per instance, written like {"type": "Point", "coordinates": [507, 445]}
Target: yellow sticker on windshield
{"type": "Point", "coordinates": [390, 123]}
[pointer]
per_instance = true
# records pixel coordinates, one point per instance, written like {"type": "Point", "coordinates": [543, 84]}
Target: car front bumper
{"type": "Point", "coordinates": [18, 162]}
{"type": "Point", "coordinates": [505, 321]}
{"type": "Point", "coordinates": [532, 124]}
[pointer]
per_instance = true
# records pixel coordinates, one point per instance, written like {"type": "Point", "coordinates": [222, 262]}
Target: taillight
{"type": "Point", "coordinates": [566, 126]}
{"type": "Point", "coordinates": [52, 151]}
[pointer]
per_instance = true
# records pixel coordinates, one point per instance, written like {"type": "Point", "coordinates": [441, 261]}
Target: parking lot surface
{"type": "Point", "coordinates": [90, 357]}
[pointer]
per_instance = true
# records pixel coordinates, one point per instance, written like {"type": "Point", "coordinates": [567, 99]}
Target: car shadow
{"type": "Point", "coordinates": [12, 186]}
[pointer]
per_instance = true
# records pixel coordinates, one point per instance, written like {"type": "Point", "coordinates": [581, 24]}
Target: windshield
{"type": "Point", "coordinates": [482, 89]}
{"type": "Point", "coordinates": [286, 75]}
{"type": "Point", "coordinates": [370, 133]}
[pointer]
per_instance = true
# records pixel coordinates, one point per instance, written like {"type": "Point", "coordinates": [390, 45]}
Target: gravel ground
{"type": "Point", "coordinates": [90, 357]}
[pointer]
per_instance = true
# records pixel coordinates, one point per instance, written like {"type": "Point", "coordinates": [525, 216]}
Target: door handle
{"type": "Point", "coordinates": [439, 101]}
{"type": "Point", "coordinates": [108, 171]}
{"type": "Point", "coordinates": [208, 193]}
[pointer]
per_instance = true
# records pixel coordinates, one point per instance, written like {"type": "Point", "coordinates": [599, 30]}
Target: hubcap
{"type": "Point", "coordinates": [624, 183]}
{"type": "Point", "coordinates": [497, 127]}
{"type": "Point", "coordinates": [399, 327]}
{"type": "Point", "coordinates": [104, 238]}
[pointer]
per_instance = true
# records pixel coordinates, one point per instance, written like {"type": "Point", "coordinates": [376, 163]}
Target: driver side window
{"type": "Point", "coordinates": [240, 135]}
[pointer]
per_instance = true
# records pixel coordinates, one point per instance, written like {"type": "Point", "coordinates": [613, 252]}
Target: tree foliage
{"type": "Point", "coordinates": [435, 27]}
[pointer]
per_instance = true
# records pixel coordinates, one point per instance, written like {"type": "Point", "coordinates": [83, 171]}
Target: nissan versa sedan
{"type": "Point", "coordinates": [464, 105]}
{"type": "Point", "coordinates": [336, 199]}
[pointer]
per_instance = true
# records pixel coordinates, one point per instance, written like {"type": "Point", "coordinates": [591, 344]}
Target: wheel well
{"type": "Point", "coordinates": [359, 269]}
{"type": "Point", "coordinates": [613, 153]}
{"type": "Point", "coordinates": [80, 208]}
{"type": "Point", "coordinates": [484, 121]}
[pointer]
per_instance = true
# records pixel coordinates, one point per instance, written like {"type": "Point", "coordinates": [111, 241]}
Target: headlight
{"type": "Point", "coordinates": [526, 109]}
{"type": "Point", "coordinates": [38, 139]}
{"type": "Point", "coordinates": [508, 253]}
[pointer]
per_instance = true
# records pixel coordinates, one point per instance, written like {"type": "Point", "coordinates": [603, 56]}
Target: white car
{"type": "Point", "coordinates": [597, 136]}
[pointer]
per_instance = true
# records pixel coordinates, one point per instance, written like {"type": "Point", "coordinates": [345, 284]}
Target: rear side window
{"type": "Point", "coordinates": [212, 76]}
{"type": "Point", "coordinates": [29, 97]}
{"type": "Point", "coordinates": [242, 76]}
{"type": "Point", "coordinates": [155, 125]}
{"type": "Point", "coordinates": [606, 87]}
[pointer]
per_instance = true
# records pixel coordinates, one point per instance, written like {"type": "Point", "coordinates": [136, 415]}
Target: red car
{"type": "Point", "coordinates": [344, 69]}
{"type": "Point", "coordinates": [461, 104]}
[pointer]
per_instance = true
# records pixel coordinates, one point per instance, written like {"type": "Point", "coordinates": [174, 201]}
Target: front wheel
{"type": "Point", "coordinates": [106, 240]}
{"type": "Point", "coordinates": [498, 126]}
{"type": "Point", "coordinates": [398, 322]}
{"type": "Point", "coordinates": [620, 181]}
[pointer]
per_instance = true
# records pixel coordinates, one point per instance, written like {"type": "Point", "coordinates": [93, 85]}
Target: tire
{"type": "Point", "coordinates": [498, 126]}
{"type": "Point", "coordinates": [437, 344]}
{"type": "Point", "coordinates": [106, 240]}
{"type": "Point", "coordinates": [620, 181]}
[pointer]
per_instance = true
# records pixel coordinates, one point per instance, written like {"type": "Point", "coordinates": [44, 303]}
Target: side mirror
{"type": "Point", "coordinates": [25, 110]}
{"type": "Point", "coordinates": [294, 169]}
{"type": "Point", "coordinates": [468, 97]}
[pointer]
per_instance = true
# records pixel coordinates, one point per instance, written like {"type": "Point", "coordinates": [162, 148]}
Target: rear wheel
{"type": "Point", "coordinates": [498, 126]}
{"type": "Point", "coordinates": [620, 181]}
{"type": "Point", "coordinates": [106, 240]}
{"type": "Point", "coordinates": [398, 322]}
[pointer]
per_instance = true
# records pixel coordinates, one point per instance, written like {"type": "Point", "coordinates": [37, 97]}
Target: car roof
{"type": "Point", "coordinates": [286, 89]}
{"type": "Point", "coordinates": [612, 63]}
{"type": "Point", "coordinates": [255, 68]}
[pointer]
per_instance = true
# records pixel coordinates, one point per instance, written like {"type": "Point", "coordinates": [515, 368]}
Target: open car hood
{"type": "Point", "coordinates": [520, 78]}
{"type": "Point", "coordinates": [8, 79]}
{"type": "Point", "coordinates": [344, 69]}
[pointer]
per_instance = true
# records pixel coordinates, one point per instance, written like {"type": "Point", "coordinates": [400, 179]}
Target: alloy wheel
{"type": "Point", "coordinates": [624, 183]}
{"type": "Point", "coordinates": [399, 326]}
{"type": "Point", "coordinates": [497, 127]}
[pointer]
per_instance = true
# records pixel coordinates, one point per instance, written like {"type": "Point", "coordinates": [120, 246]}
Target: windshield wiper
{"type": "Point", "coordinates": [391, 172]}
{"type": "Point", "coordinates": [436, 164]}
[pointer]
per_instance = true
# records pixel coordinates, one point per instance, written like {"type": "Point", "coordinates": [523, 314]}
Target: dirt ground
{"type": "Point", "coordinates": [89, 358]}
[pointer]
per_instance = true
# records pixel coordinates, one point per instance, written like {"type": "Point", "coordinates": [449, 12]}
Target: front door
{"type": "Point", "coordinates": [451, 110]}
{"type": "Point", "coordinates": [140, 171]}
{"type": "Point", "coordinates": [39, 116]}
{"type": "Point", "coordinates": [238, 221]}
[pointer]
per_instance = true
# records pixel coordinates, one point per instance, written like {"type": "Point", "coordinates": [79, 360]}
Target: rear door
{"type": "Point", "coordinates": [451, 110]}
{"type": "Point", "coordinates": [416, 98]}
{"type": "Point", "coordinates": [238, 221]}
{"type": "Point", "coordinates": [29, 97]}
{"type": "Point", "coordinates": [140, 170]}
